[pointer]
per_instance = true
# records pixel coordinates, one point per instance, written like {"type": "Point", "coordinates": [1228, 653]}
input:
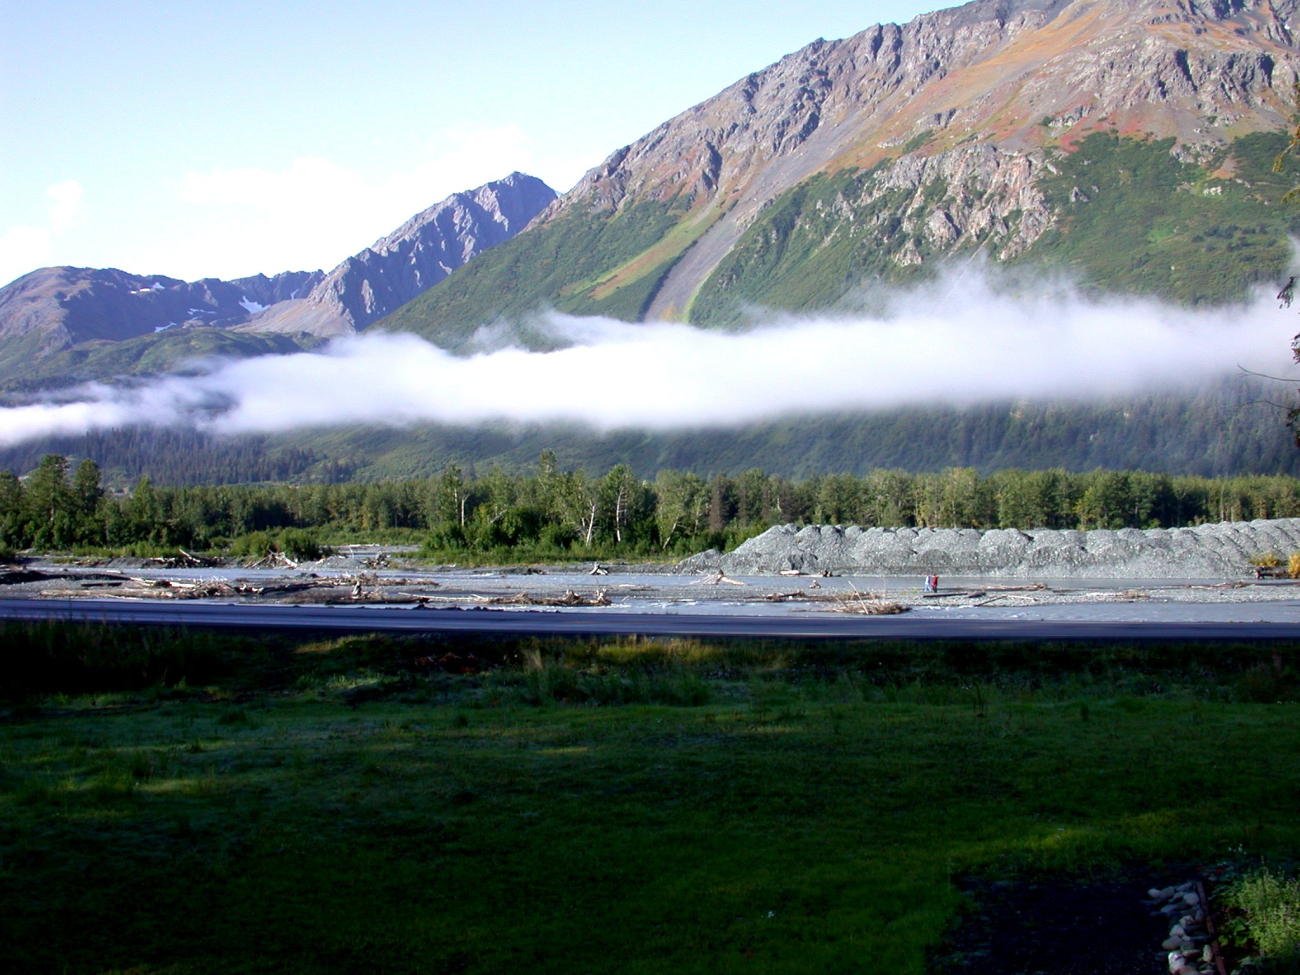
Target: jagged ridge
{"type": "Point", "coordinates": [410, 260]}
{"type": "Point", "coordinates": [1005, 86]}
{"type": "Point", "coordinates": [63, 323]}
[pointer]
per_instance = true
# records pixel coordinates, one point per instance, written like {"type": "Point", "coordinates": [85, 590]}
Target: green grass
{"type": "Point", "coordinates": [631, 806]}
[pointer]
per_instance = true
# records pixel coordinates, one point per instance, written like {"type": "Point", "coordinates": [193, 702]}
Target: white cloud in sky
{"type": "Point", "coordinates": [939, 344]}
{"type": "Point", "coordinates": [25, 248]}
{"type": "Point", "coordinates": [67, 201]}
{"type": "Point", "coordinates": [314, 213]}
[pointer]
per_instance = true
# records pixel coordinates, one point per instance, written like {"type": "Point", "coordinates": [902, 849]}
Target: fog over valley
{"type": "Point", "coordinates": [957, 341]}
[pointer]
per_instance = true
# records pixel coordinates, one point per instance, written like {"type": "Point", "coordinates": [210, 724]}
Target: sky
{"type": "Point", "coordinates": [223, 140]}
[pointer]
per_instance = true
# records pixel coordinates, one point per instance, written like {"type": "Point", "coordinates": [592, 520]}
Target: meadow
{"type": "Point", "coordinates": [190, 802]}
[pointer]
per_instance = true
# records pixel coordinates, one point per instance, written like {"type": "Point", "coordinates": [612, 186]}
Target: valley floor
{"type": "Point", "coordinates": [375, 576]}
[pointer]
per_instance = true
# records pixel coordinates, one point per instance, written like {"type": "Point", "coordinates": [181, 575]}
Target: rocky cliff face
{"type": "Point", "coordinates": [995, 89]}
{"type": "Point", "coordinates": [410, 260]}
{"type": "Point", "coordinates": [1015, 77]}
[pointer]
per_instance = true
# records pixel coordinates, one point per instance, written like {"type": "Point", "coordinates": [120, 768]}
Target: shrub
{"type": "Point", "coordinates": [299, 545]}
{"type": "Point", "coordinates": [558, 536]}
{"type": "Point", "coordinates": [1271, 905]}
{"type": "Point", "coordinates": [253, 545]}
{"type": "Point", "coordinates": [296, 543]}
{"type": "Point", "coordinates": [443, 538]}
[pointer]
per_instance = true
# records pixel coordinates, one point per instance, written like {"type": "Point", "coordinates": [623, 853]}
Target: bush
{"type": "Point", "coordinates": [1271, 905]}
{"type": "Point", "coordinates": [559, 537]}
{"type": "Point", "coordinates": [443, 538]}
{"type": "Point", "coordinates": [296, 543]}
{"type": "Point", "coordinates": [253, 545]}
{"type": "Point", "coordinates": [299, 545]}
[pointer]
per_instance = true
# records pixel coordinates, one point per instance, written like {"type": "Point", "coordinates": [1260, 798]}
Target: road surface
{"type": "Point", "coordinates": [404, 619]}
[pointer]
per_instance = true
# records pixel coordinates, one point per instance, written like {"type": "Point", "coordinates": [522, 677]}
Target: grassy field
{"type": "Point", "coordinates": [198, 803]}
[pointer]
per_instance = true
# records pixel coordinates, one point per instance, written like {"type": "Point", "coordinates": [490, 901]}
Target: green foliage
{"type": "Point", "coordinates": [144, 355]}
{"type": "Point", "coordinates": [1229, 429]}
{"type": "Point", "coordinates": [1271, 905]}
{"type": "Point", "coordinates": [296, 543]}
{"type": "Point", "coordinates": [253, 545]}
{"type": "Point", "coordinates": [299, 545]}
{"type": "Point", "coordinates": [917, 141]}
{"type": "Point", "coordinates": [802, 253]}
{"type": "Point", "coordinates": [179, 456]}
{"type": "Point", "coordinates": [557, 265]}
{"type": "Point", "coordinates": [552, 514]}
{"type": "Point", "coordinates": [1134, 218]}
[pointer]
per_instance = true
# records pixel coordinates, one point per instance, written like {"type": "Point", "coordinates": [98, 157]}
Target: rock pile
{"type": "Point", "coordinates": [1188, 943]}
{"type": "Point", "coordinates": [1204, 552]}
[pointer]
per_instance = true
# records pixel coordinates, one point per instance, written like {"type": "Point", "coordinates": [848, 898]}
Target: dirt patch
{"type": "Point", "coordinates": [1056, 927]}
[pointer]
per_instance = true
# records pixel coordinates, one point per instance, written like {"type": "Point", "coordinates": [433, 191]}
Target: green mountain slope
{"type": "Point", "coordinates": [143, 355]}
{"type": "Point", "coordinates": [1129, 217]}
{"type": "Point", "coordinates": [1128, 142]}
{"type": "Point", "coordinates": [1228, 430]}
{"type": "Point", "coordinates": [583, 263]}
{"type": "Point", "coordinates": [1135, 219]}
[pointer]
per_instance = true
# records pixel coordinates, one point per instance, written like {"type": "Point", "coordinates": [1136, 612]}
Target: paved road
{"type": "Point", "coordinates": [534, 623]}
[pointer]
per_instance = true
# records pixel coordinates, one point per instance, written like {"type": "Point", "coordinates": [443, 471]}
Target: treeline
{"type": "Point", "coordinates": [182, 457]}
{"type": "Point", "coordinates": [1223, 430]}
{"type": "Point", "coordinates": [550, 512]}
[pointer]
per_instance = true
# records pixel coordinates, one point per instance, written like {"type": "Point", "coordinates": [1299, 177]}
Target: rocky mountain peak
{"type": "Point", "coordinates": [1018, 75]}
{"type": "Point", "coordinates": [414, 257]}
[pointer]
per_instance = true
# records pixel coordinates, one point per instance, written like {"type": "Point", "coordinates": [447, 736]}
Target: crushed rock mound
{"type": "Point", "coordinates": [1206, 551]}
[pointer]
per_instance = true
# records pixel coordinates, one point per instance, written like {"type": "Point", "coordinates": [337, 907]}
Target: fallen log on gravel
{"type": "Point", "coordinates": [273, 560]}
{"type": "Point", "coordinates": [718, 578]}
{"type": "Point", "coordinates": [181, 560]}
{"type": "Point", "coordinates": [568, 598]}
{"type": "Point", "coordinates": [872, 607]}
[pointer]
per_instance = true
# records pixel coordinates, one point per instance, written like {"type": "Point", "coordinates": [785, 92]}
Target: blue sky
{"type": "Point", "coordinates": [227, 139]}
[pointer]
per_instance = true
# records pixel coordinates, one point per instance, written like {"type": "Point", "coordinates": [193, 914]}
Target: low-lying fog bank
{"type": "Point", "coordinates": [1206, 552]}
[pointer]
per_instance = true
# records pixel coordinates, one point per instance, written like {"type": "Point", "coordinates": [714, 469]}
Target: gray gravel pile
{"type": "Point", "coordinates": [1204, 552]}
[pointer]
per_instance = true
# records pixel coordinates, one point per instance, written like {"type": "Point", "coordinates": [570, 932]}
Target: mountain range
{"type": "Point", "coordinates": [64, 324]}
{"type": "Point", "coordinates": [413, 258]}
{"type": "Point", "coordinates": [1126, 145]}
{"type": "Point", "coordinates": [1027, 131]}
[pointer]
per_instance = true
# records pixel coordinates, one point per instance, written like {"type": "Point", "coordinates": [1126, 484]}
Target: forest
{"type": "Point", "coordinates": [552, 513]}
